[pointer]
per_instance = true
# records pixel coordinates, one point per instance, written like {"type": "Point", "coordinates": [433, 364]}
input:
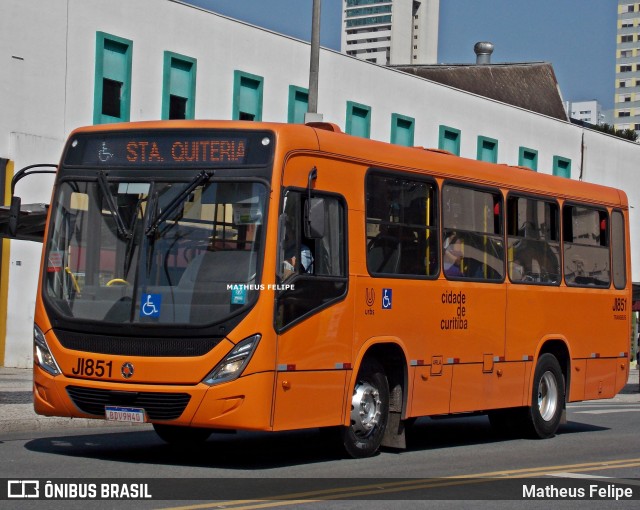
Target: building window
{"type": "Point", "coordinates": [487, 149]}
{"type": "Point", "coordinates": [528, 158]}
{"type": "Point", "coordinates": [402, 130]}
{"type": "Point", "coordinates": [624, 113]}
{"type": "Point", "coordinates": [247, 96]}
{"type": "Point", "coordinates": [112, 88]}
{"type": "Point", "coordinates": [179, 86]}
{"type": "Point", "coordinates": [631, 8]}
{"type": "Point", "coordinates": [449, 139]}
{"type": "Point", "coordinates": [626, 38]}
{"type": "Point", "coordinates": [636, 127]}
{"type": "Point", "coordinates": [562, 166]}
{"type": "Point", "coordinates": [626, 69]}
{"type": "Point", "coordinates": [298, 104]}
{"type": "Point", "coordinates": [358, 119]}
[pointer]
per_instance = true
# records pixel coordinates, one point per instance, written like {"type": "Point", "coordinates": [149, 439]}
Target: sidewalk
{"type": "Point", "coordinates": [16, 408]}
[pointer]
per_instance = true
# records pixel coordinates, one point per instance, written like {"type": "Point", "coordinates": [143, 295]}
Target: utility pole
{"type": "Point", "coordinates": [312, 114]}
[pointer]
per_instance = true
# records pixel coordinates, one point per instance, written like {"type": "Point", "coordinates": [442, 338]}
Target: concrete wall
{"type": "Point", "coordinates": [48, 89]}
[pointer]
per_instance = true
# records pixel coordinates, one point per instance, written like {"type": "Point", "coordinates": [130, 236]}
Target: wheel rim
{"type": "Point", "coordinates": [547, 396]}
{"type": "Point", "coordinates": [365, 409]}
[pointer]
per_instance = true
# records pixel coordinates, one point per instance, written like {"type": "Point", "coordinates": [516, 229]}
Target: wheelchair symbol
{"type": "Point", "coordinates": [150, 306]}
{"type": "Point", "coordinates": [386, 299]}
{"type": "Point", "coordinates": [104, 154]}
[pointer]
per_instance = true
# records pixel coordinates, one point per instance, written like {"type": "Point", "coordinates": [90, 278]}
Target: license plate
{"type": "Point", "coordinates": [125, 414]}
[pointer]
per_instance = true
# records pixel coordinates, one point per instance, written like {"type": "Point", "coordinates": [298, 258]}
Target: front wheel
{"type": "Point", "coordinates": [180, 435]}
{"type": "Point", "coordinates": [547, 399]}
{"type": "Point", "coordinates": [369, 411]}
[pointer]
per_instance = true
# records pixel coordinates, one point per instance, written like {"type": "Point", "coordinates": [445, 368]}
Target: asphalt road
{"type": "Point", "coordinates": [448, 460]}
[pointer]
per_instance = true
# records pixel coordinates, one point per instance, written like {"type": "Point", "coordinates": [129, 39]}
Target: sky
{"type": "Point", "coordinates": [577, 36]}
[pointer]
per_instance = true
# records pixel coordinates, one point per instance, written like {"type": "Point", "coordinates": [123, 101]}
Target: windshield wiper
{"type": "Point", "coordinates": [155, 222]}
{"type": "Point", "coordinates": [123, 231]}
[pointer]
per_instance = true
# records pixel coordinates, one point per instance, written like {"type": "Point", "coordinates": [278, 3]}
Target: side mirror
{"type": "Point", "coordinates": [314, 214]}
{"type": "Point", "coordinates": [14, 214]}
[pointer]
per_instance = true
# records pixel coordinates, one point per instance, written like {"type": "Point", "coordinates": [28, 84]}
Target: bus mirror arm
{"type": "Point", "coordinates": [27, 224]}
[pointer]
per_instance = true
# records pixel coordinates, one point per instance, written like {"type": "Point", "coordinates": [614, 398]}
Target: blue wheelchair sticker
{"type": "Point", "coordinates": [238, 295]}
{"type": "Point", "coordinates": [150, 305]}
{"type": "Point", "coordinates": [387, 299]}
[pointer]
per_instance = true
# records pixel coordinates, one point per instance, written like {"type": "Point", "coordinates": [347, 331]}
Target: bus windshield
{"type": "Point", "coordinates": [153, 251]}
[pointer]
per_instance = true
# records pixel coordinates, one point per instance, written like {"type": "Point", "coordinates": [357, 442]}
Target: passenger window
{"type": "Point", "coordinates": [473, 246]}
{"type": "Point", "coordinates": [619, 250]}
{"type": "Point", "coordinates": [586, 247]}
{"type": "Point", "coordinates": [401, 226]}
{"type": "Point", "coordinates": [533, 254]}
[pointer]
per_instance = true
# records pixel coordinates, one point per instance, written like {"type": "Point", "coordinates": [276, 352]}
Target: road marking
{"type": "Point", "coordinates": [408, 485]}
{"type": "Point", "coordinates": [608, 411]}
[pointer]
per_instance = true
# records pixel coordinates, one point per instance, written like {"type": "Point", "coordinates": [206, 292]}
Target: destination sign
{"type": "Point", "coordinates": [170, 149]}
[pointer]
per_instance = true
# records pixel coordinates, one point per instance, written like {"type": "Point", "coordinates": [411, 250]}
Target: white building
{"type": "Point", "coordinates": [68, 63]}
{"type": "Point", "coordinates": [391, 32]}
{"type": "Point", "coordinates": [585, 111]}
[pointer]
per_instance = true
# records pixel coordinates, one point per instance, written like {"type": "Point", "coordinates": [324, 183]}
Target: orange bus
{"type": "Point", "coordinates": [205, 275]}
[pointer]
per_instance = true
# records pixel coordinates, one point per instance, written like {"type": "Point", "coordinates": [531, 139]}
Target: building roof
{"type": "Point", "coordinates": [532, 85]}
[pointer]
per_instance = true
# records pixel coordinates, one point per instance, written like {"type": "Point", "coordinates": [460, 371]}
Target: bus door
{"type": "Point", "coordinates": [470, 331]}
{"type": "Point", "coordinates": [314, 321]}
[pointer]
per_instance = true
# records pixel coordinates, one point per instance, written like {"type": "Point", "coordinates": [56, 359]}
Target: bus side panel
{"type": "Point", "coordinates": [309, 399]}
{"type": "Point", "coordinates": [473, 389]}
{"type": "Point", "coordinates": [600, 378]}
{"type": "Point", "coordinates": [241, 404]}
{"type": "Point", "coordinates": [577, 383]}
{"type": "Point", "coordinates": [431, 390]}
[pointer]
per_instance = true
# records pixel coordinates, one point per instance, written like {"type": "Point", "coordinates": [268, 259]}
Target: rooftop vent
{"type": "Point", "coordinates": [483, 52]}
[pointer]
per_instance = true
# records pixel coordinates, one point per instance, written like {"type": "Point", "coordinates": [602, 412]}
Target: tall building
{"type": "Point", "coordinates": [627, 95]}
{"type": "Point", "coordinates": [585, 111]}
{"type": "Point", "coordinates": [391, 32]}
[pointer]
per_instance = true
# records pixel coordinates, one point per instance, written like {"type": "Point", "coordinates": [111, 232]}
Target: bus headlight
{"type": "Point", "coordinates": [233, 363]}
{"type": "Point", "coordinates": [41, 353]}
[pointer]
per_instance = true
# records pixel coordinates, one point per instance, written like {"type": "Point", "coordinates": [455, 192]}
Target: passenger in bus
{"type": "Point", "coordinates": [453, 256]}
{"type": "Point", "coordinates": [295, 262]}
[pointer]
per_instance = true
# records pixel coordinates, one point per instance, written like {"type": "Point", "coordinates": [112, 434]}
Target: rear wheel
{"type": "Point", "coordinates": [369, 411]}
{"type": "Point", "coordinates": [176, 434]}
{"type": "Point", "coordinates": [542, 418]}
{"type": "Point", "coordinates": [547, 399]}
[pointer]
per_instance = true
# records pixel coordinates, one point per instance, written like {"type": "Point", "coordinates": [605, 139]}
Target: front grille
{"type": "Point", "coordinates": [158, 406]}
{"type": "Point", "coordinates": [135, 346]}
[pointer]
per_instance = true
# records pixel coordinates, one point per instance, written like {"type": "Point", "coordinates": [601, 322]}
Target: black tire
{"type": "Point", "coordinates": [369, 411]}
{"type": "Point", "coordinates": [180, 435]}
{"type": "Point", "coordinates": [547, 398]}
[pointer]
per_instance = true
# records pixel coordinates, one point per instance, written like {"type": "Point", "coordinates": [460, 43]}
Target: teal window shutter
{"type": "Point", "coordinates": [298, 104]}
{"type": "Point", "coordinates": [528, 158]}
{"type": "Point", "coordinates": [562, 166]}
{"type": "Point", "coordinates": [487, 149]}
{"type": "Point", "coordinates": [112, 86]}
{"type": "Point", "coordinates": [449, 139]}
{"type": "Point", "coordinates": [402, 130]}
{"type": "Point", "coordinates": [178, 87]}
{"type": "Point", "coordinates": [247, 96]}
{"type": "Point", "coordinates": [358, 119]}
